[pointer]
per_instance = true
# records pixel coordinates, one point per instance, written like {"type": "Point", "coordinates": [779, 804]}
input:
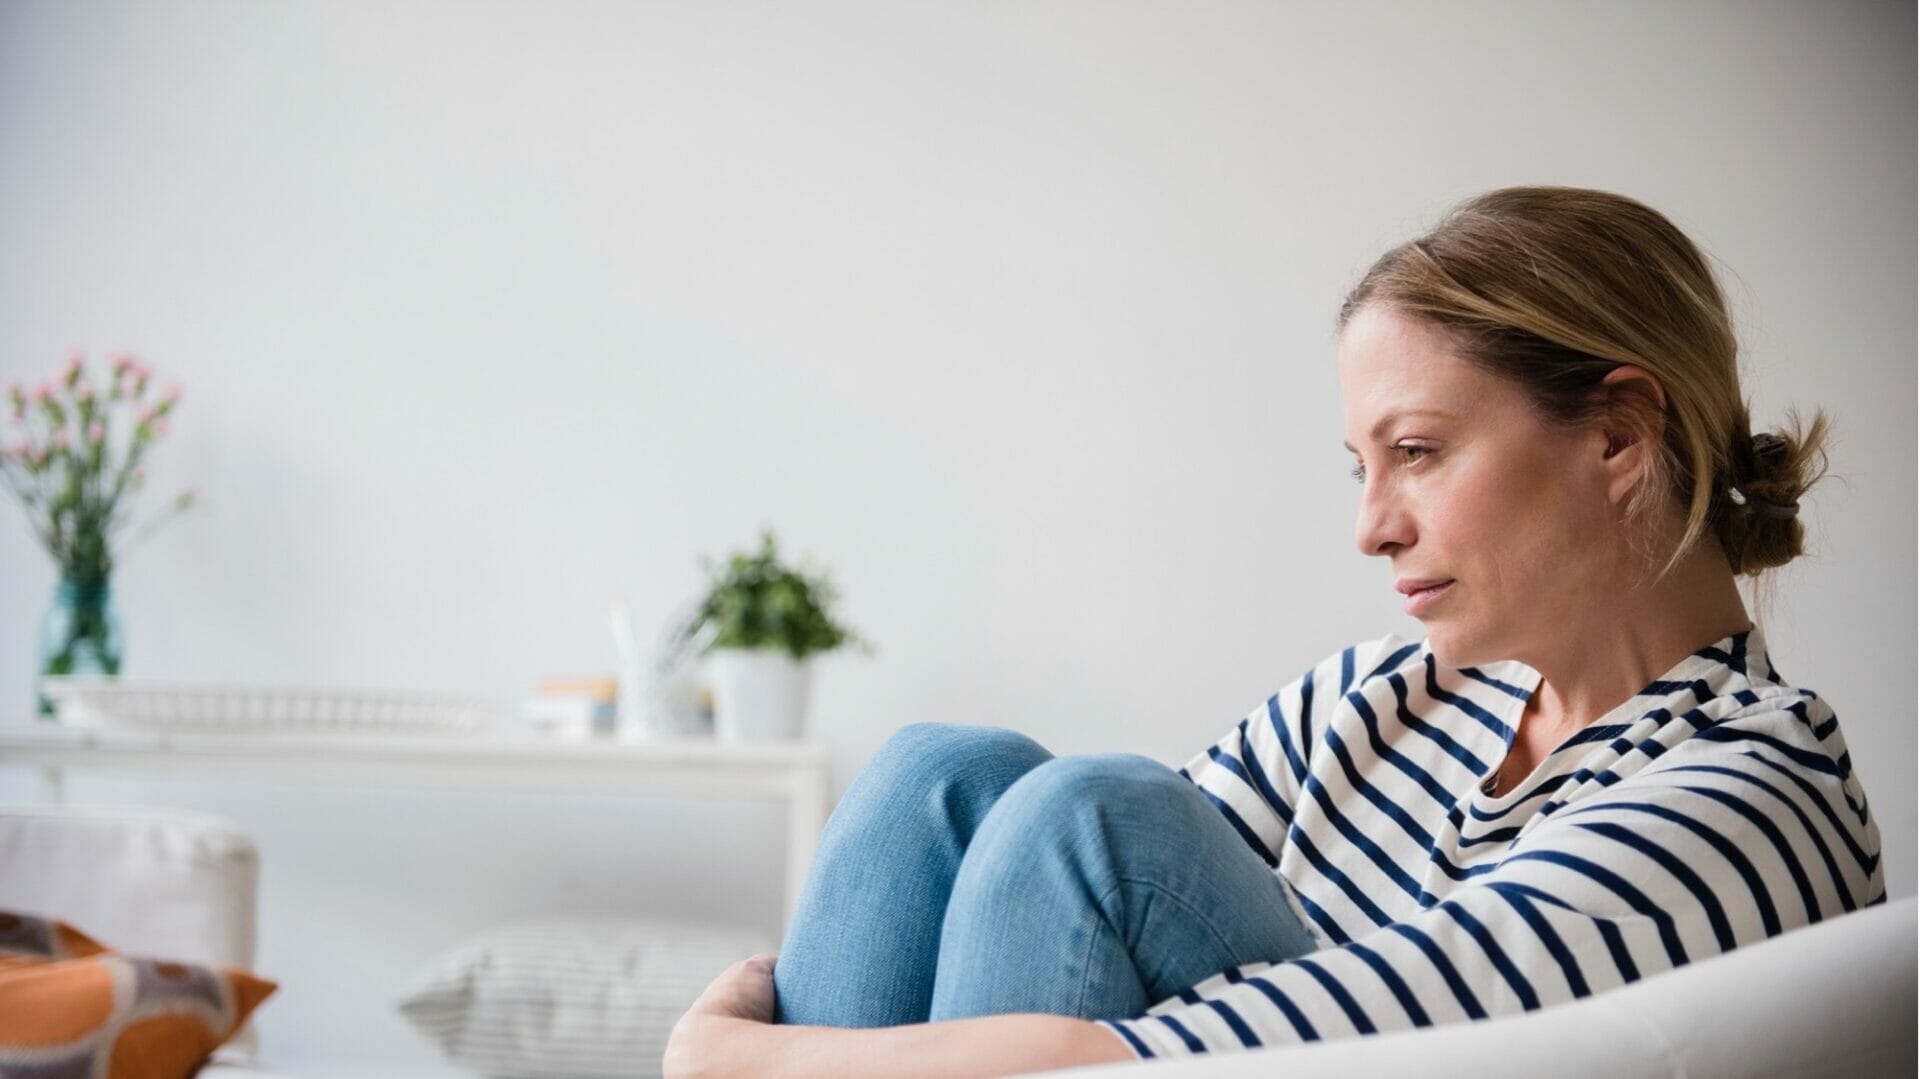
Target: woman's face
{"type": "Point", "coordinates": [1466, 488]}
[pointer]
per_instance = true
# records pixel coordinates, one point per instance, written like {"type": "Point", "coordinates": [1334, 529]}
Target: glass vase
{"type": "Point", "coordinates": [81, 634]}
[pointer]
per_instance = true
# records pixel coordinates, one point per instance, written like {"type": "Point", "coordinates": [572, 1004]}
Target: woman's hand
{"type": "Point", "coordinates": [742, 991]}
{"type": "Point", "coordinates": [707, 1039]}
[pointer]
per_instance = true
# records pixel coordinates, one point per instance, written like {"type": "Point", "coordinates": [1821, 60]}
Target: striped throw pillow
{"type": "Point", "coordinates": [569, 998]}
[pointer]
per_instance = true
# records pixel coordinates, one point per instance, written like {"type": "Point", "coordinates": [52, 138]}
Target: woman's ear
{"type": "Point", "coordinates": [1635, 422]}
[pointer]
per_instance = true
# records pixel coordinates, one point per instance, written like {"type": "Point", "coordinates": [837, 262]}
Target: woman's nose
{"type": "Point", "coordinates": [1383, 527]}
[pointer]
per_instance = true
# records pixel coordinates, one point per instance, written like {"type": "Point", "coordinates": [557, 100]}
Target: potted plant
{"type": "Point", "coordinates": [74, 460]}
{"type": "Point", "coordinates": [757, 628]}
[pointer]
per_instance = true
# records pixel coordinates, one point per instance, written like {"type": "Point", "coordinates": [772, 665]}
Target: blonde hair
{"type": "Point", "coordinates": [1554, 287]}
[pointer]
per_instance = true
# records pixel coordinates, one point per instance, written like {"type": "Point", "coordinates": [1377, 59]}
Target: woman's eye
{"type": "Point", "coordinates": [1408, 455]}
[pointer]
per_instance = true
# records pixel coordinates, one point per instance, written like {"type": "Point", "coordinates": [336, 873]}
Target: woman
{"type": "Point", "coordinates": [1587, 772]}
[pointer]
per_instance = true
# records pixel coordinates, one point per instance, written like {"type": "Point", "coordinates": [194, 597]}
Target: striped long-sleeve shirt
{"type": "Point", "coordinates": [1715, 808]}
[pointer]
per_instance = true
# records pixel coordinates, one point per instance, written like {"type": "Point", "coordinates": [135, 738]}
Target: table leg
{"type": "Point", "coordinates": [51, 786]}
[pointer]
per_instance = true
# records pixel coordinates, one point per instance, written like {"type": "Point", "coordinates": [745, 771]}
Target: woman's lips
{"type": "Point", "coordinates": [1426, 597]}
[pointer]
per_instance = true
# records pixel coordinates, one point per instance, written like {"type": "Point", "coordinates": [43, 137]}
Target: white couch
{"type": "Point", "coordinates": [165, 883]}
{"type": "Point", "coordinates": [1836, 998]}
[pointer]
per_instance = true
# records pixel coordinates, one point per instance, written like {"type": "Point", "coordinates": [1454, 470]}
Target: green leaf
{"type": "Point", "coordinates": [756, 602]}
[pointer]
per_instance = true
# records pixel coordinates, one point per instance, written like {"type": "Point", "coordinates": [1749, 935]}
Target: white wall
{"type": "Point", "coordinates": [1017, 316]}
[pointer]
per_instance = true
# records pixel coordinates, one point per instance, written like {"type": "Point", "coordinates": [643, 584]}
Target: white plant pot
{"type": "Point", "coordinates": [758, 693]}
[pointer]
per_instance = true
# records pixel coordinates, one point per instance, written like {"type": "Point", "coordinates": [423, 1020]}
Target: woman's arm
{"type": "Point", "coordinates": [1731, 836]}
{"type": "Point", "coordinates": [729, 1032]}
{"type": "Point", "coordinates": [955, 1049]}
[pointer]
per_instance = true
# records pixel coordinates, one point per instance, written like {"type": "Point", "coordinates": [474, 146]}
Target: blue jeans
{"type": "Point", "coordinates": [968, 872]}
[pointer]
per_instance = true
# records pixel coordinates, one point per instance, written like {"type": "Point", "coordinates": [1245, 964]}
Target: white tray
{"type": "Point", "coordinates": [87, 702]}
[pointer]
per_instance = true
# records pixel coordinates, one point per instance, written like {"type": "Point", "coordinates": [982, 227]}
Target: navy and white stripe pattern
{"type": "Point", "coordinates": [1716, 808]}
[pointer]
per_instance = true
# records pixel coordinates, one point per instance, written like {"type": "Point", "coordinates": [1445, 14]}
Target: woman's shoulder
{"type": "Point", "coordinates": [1749, 718]}
{"type": "Point", "coordinates": [1778, 752]}
{"type": "Point", "coordinates": [1796, 723]}
{"type": "Point", "coordinates": [1733, 684]}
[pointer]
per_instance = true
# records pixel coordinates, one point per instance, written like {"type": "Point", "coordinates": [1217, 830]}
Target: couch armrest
{"type": "Point", "coordinates": [144, 881]}
{"type": "Point", "coordinates": [170, 884]}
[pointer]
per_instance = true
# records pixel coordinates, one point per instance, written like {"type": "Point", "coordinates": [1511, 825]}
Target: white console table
{"type": "Point", "coordinates": [792, 773]}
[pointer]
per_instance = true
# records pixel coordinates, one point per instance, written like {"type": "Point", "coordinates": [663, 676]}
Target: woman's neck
{"type": "Point", "coordinates": [1628, 639]}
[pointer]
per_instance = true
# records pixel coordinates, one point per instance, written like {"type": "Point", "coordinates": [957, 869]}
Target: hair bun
{"type": "Point", "coordinates": [1770, 456]}
{"type": "Point", "coordinates": [1765, 454]}
{"type": "Point", "coordinates": [1773, 472]}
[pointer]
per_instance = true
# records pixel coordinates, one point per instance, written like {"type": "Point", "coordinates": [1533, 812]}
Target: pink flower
{"type": "Point", "coordinates": [121, 361]}
{"type": "Point", "coordinates": [172, 394]}
{"type": "Point", "coordinates": [160, 427]}
{"type": "Point", "coordinates": [75, 361]}
{"type": "Point", "coordinates": [97, 433]}
{"type": "Point", "coordinates": [43, 393]}
{"type": "Point", "coordinates": [139, 476]}
{"type": "Point", "coordinates": [60, 439]}
{"type": "Point", "coordinates": [83, 392]}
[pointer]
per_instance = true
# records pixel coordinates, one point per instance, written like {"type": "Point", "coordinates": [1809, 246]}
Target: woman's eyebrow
{"type": "Point", "coordinates": [1390, 418]}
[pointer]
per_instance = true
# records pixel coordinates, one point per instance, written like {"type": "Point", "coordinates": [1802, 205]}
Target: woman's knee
{"type": "Point", "coordinates": [1099, 814]}
{"type": "Point", "coordinates": [1099, 783]}
{"type": "Point", "coordinates": [943, 745]}
{"type": "Point", "coordinates": [952, 757]}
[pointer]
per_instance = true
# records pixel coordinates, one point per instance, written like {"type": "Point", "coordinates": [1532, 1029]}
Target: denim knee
{"type": "Point", "coordinates": [1095, 776]}
{"type": "Point", "coordinates": [952, 758]}
{"type": "Point", "coordinates": [948, 744]}
{"type": "Point", "coordinates": [1068, 789]}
